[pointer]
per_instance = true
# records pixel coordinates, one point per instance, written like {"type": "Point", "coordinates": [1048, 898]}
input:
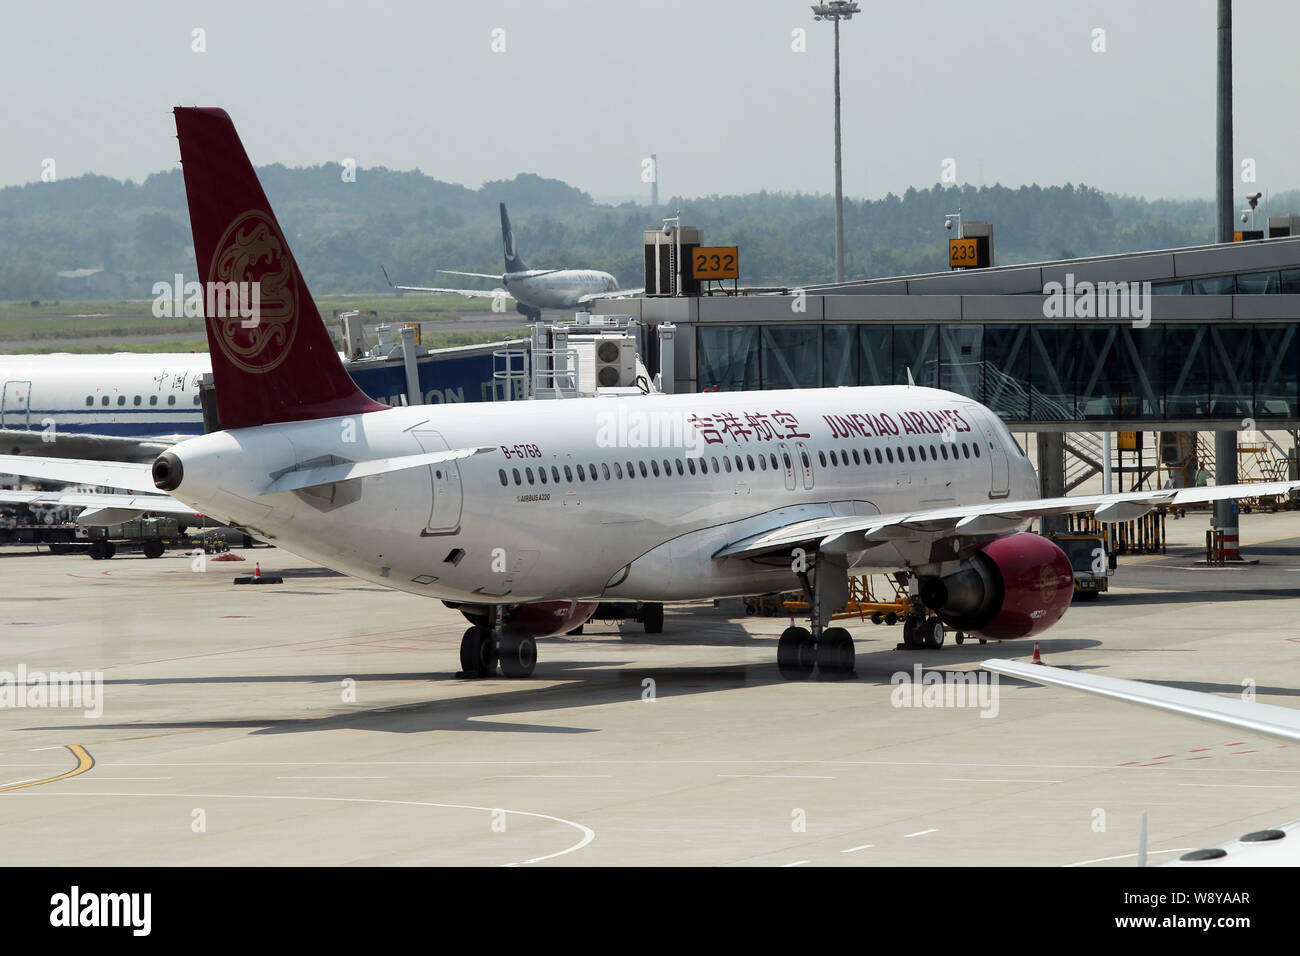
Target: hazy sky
{"type": "Point", "coordinates": [1009, 89]}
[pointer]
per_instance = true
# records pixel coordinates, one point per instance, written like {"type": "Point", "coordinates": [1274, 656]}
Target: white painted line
{"type": "Point", "coordinates": [1241, 786]}
{"type": "Point", "coordinates": [100, 779]}
{"type": "Point", "coordinates": [777, 776]}
{"type": "Point", "coordinates": [16, 782]}
{"type": "Point", "coordinates": [551, 776]}
{"type": "Point", "coordinates": [995, 780]}
{"type": "Point", "coordinates": [1126, 856]}
{"type": "Point", "coordinates": [855, 849]}
{"type": "Point", "coordinates": [921, 832]}
{"type": "Point", "coordinates": [795, 863]}
{"type": "Point", "coordinates": [331, 778]}
{"type": "Point", "coordinates": [683, 763]}
{"type": "Point", "coordinates": [588, 834]}
{"type": "Point", "coordinates": [36, 750]}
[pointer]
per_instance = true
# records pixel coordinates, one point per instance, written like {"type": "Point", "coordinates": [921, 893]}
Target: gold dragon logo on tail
{"type": "Point", "coordinates": [252, 250]}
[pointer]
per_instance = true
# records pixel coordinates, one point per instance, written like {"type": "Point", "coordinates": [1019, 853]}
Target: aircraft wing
{"type": "Point", "coordinates": [857, 533]}
{"type": "Point", "coordinates": [101, 508]}
{"type": "Point", "coordinates": [468, 293]}
{"type": "Point", "coordinates": [618, 294]}
{"type": "Point", "coordinates": [84, 444]}
{"type": "Point", "coordinates": [476, 275]}
{"type": "Point", "coordinates": [1267, 719]}
{"type": "Point", "coordinates": [1260, 848]}
{"type": "Point", "coordinates": [133, 476]}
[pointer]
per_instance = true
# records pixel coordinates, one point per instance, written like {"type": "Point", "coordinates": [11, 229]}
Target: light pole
{"type": "Point", "coordinates": [835, 11]}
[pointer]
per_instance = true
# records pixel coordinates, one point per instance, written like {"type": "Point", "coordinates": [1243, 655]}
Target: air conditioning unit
{"type": "Point", "coordinates": [615, 361]}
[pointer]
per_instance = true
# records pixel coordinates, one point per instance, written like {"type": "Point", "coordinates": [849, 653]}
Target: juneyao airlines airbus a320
{"type": "Point", "coordinates": [536, 289]}
{"type": "Point", "coordinates": [525, 514]}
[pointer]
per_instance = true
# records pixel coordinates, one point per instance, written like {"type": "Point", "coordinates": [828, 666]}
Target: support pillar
{"type": "Point", "coordinates": [1106, 458]}
{"type": "Point", "coordinates": [1051, 476]}
{"type": "Point", "coordinates": [1225, 473]}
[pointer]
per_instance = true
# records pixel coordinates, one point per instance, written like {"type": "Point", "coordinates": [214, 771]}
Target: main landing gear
{"type": "Point", "coordinates": [485, 646]}
{"type": "Point", "coordinates": [828, 649]}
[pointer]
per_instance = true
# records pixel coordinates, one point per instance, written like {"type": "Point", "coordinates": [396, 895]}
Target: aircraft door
{"type": "Point", "coordinates": [15, 405]}
{"type": "Point", "coordinates": [805, 460]}
{"type": "Point", "coordinates": [788, 463]}
{"type": "Point", "coordinates": [996, 449]}
{"type": "Point", "coordinates": [447, 498]}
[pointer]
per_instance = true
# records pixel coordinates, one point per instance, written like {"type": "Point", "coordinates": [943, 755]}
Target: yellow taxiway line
{"type": "Point", "coordinates": [84, 762]}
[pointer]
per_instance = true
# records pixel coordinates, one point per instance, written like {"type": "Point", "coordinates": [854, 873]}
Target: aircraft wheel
{"type": "Point", "coordinates": [796, 654]}
{"type": "Point", "coordinates": [518, 652]}
{"type": "Point", "coordinates": [478, 658]}
{"type": "Point", "coordinates": [652, 615]}
{"type": "Point", "coordinates": [835, 651]}
{"type": "Point", "coordinates": [911, 631]}
{"type": "Point", "coordinates": [932, 632]}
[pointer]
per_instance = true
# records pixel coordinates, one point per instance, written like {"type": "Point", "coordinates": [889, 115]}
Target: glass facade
{"type": "Point", "coordinates": [1029, 372]}
{"type": "Point", "coordinates": [1286, 282]}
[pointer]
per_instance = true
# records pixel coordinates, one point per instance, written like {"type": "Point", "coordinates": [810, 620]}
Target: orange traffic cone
{"type": "Point", "coordinates": [257, 576]}
{"type": "Point", "coordinates": [1038, 658]}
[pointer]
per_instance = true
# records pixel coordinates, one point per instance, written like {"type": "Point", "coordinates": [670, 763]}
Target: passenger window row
{"type": "Point", "coordinates": [615, 471]}
{"type": "Point", "coordinates": [137, 401]}
{"type": "Point", "coordinates": [897, 454]}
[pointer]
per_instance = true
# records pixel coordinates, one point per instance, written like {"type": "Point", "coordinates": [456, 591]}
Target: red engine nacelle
{"type": "Point", "coordinates": [546, 618]}
{"type": "Point", "coordinates": [1014, 586]}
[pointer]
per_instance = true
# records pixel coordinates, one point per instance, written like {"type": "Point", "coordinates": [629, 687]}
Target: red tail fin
{"type": "Point", "coordinates": [272, 358]}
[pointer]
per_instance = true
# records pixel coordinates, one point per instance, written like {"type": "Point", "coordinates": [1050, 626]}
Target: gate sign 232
{"type": "Point", "coordinates": [716, 262]}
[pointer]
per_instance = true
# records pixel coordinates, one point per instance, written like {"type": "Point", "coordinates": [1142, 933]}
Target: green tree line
{"type": "Point", "coordinates": [341, 231]}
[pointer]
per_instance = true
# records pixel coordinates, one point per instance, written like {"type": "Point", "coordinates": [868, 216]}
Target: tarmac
{"type": "Point", "coordinates": [321, 722]}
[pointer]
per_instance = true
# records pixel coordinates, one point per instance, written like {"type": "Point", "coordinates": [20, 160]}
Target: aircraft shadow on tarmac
{"type": "Point", "coordinates": [590, 683]}
{"type": "Point", "coordinates": [1153, 597]}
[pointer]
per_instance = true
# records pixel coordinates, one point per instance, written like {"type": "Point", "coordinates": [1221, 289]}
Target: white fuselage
{"type": "Point", "coordinates": [528, 521]}
{"type": "Point", "coordinates": [562, 289]}
{"type": "Point", "coordinates": [128, 395]}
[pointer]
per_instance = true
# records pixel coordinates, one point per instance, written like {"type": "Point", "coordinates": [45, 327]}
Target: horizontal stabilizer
{"type": "Point", "coordinates": [331, 474]}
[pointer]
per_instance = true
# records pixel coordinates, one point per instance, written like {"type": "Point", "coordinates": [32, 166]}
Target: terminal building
{"type": "Point", "coordinates": [1204, 338]}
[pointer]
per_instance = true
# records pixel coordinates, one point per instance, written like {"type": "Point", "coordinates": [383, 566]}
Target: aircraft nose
{"type": "Point", "coordinates": [167, 472]}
